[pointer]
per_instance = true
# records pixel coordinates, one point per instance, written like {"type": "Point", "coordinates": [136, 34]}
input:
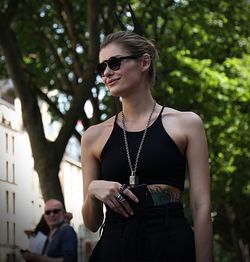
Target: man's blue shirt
{"type": "Point", "coordinates": [64, 244]}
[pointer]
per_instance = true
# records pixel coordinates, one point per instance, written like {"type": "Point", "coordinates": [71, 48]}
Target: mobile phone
{"type": "Point", "coordinates": [143, 194]}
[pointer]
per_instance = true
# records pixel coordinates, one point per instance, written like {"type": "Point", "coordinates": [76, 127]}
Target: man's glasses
{"type": "Point", "coordinates": [54, 211]}
{"type": "Point", "coordinates": [114, 63]}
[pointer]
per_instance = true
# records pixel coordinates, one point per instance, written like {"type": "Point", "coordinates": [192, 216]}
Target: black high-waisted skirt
{"type": "Point", "coordinates": [156, 234]}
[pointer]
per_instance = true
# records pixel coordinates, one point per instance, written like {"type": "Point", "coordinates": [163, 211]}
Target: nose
{"type": "Point", "coordinates": [107, 71]}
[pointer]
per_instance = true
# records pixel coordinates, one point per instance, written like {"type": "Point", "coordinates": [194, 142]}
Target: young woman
{"type": "Point", "coordinates": [146, 144]}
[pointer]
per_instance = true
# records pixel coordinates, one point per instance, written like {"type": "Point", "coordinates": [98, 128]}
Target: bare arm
{"type": "Point", "coordinates": [96, 191]}
{"type": "Point", "coordinates": [199, 177]}
{"type": "Point", "coordinates": [92, 210]}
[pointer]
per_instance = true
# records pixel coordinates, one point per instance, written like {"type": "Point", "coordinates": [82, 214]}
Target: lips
{"type": "Point", "coordinates": [111, 81]}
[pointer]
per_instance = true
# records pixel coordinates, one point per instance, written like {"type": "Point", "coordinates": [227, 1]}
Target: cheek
{"type": "Point", "coordinates": [131, 71]}
{"type": "Point", "coordinates": [132, 77]}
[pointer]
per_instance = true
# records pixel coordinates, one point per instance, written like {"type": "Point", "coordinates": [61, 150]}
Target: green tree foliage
{"type": "Point", "coordinates": [222, 98]}
{"type": "Point", "coordinates": [50, 49]}
{"type": "Point", "coordinates": [204, 54]}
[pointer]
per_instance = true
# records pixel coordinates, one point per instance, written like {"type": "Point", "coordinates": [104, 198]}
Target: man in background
{"type": "Point", "coordinates": [61, 244]}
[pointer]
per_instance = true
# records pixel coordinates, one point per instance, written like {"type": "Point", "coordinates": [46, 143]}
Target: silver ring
{"type": "Point", "coordinates": [122, 188]}
{"type": "Point", "coordinates": [120, 198]}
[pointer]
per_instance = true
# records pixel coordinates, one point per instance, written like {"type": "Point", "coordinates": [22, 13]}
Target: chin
{"type": "Point", "coordinates": [118, 91]}
{"type": "Point", "coordinates": [115, 93]}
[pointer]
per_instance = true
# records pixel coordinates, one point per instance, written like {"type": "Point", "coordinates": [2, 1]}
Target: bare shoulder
{"type": "Point", "coordinates": [95, 137]}
{"type": "Point", "coordinates": [182, 126]}
{"type": "Point", "coordinates": [95, 132]}
{"type": "Point", "coordinates": [186, 119]}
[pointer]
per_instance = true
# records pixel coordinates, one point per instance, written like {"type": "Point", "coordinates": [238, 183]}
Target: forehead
{"type": "Point", "coordinates": [112, 50]}
{"type": "Point", "coordinates": [51, 204]}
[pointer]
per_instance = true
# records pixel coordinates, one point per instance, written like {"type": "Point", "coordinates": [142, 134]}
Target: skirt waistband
{"type": "Point", "coordinates": [168, 210]}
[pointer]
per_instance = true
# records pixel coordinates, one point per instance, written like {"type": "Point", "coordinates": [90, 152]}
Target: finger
{"type": "Point", "coordinates": [127, 207]}
{"type": "Point", "coordinates": [122, 201]}
{"type": "Point", "coordinates": [131, 195]}
{"type": "Point", "coordinates": [119, 199]}
{"type": "Point", "coordinates": [116, 207]}
{"type": "Point", "coordinates": [122, 188]}
{"type": "Point", "coordinates": [112, 205]}
{"type": "Point", "coordinates": [119, 206]}
{"type": "Point", "coordinates": [122, 204]}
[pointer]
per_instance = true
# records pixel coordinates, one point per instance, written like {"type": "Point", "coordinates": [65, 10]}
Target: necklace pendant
{"type": "Point", "coordinates": [133, 180]}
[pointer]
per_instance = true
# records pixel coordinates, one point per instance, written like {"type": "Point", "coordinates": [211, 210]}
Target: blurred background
{"type": "Point", "coordinates": [50, 94]}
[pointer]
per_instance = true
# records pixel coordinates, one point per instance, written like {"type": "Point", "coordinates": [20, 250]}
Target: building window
{"type": "Point", "coordinates": [14, 233]}
{"type": "Point", "coordinates": [6, 142]}
{"type": "Point", "coordinates": [7, 201]}
{"type": "Point", "coordinates": [14, 202]}
{"type": "Point", "coordinates": [8, 232]}
{"type": "Point", "coordinates": [13, 145]}
{"type": "Point", "coordinates": [7, 170]}
{"type": "Point", "coordinates": [13, 173]}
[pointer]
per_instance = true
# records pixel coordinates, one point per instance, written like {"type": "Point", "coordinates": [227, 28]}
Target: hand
{"type": "Point", "coordinates": [108, 192]}
{"type": "Point", "coordinates": [67, 217]}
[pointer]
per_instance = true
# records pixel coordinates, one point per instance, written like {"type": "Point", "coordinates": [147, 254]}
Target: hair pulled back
{"type": "Point", "coordinates": [134, 44]}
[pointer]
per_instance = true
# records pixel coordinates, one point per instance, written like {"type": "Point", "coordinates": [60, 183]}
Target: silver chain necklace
{"type": "Point", "coordinates": [133, 179]}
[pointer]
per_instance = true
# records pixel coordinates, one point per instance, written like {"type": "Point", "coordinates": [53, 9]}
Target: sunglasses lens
{"type": "Point", "coordinates": [101, 68]}
{"type": "Point", "coordinates": [54, 211]}
{"type": "Point", "coordinates": [113, 63]}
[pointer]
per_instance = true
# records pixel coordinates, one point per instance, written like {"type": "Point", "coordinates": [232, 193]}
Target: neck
{"type": "Point", "coordinates": [54, 227]}
{"type": "Point", "coordinates": [135, 109]}
{"type": "Point", "coordinates": [139, 121]}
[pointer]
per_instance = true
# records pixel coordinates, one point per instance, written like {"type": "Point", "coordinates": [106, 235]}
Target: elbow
{"type": "Point", "coordinates": [201, 210]}
{"type": "Point", "coordinates": [93, 227]}
{"type": "Point", "coordinates": [92, 223]}
{"type": "Point", "coordinates": [206, 206]}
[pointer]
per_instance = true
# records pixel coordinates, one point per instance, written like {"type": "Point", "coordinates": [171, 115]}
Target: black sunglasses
{"type": "Point", "coordinates": [54, 211]}
{"type": "Point", "coordinates": [113, 63]}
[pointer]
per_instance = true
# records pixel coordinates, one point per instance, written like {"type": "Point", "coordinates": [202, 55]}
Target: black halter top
{"type": "Point", "coordinates": [160, 160]}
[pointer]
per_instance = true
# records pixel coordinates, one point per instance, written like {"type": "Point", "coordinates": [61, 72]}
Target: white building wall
{"type": "Point", "coordinates": [21, 202]}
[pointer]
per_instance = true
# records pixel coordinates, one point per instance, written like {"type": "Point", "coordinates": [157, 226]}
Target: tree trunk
{"type": "Point", "coordinates": [48, 155]}
{"type": "Point", "coordinates": [46, 161]}
{"type": "Point", "coordinates": [49, 183]}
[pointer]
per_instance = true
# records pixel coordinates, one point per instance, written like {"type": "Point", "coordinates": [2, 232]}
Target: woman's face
{"type": "Point", "coordinates": [125, 79]}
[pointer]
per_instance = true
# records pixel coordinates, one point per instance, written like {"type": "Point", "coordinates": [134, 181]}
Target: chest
{"type": "Point", "coordinates": [158, 152]}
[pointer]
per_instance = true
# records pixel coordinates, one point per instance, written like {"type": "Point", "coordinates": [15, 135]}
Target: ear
{"type": "Point", "coordinates": [146, 62]}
